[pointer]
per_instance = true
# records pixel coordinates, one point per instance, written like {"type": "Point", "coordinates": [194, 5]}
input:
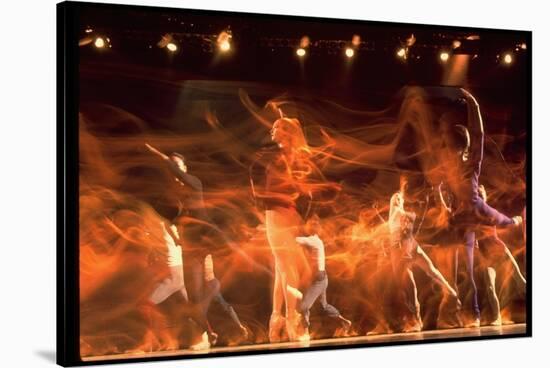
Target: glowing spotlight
{"type": "Point", "coordinates": [350, 52]}
{"type": "Point", "coordinates": [172, 47]}
{"type": "Point", "coordinates": [444, 56]}
{"type": "Point", "coordinates": [225, 46]}
{"type": "Point", "coordinates": [523, 46]}
{"type": "Point", "coordinates": [301, 52]}
{"type": "Point", "coordinates": [224, 41]}
{"type": "Point", "coordinates": [456, 44]}
{"type": "Point", "coordinates": [88, 30]}
{"type": "Point", "coordinates": [99, 42]}
{"type": "Point", "coordinates": [402, 53]}
{"type": "Point", "coordinates": [507, 58]}
{"type": "Point", "coordinates": [356, 40]}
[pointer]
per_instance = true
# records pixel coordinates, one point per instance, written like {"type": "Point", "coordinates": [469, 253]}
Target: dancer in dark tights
{"type": "Point", "coordinates": [463, 166]}
{"type": "Point", "coordinates": [212, 283]}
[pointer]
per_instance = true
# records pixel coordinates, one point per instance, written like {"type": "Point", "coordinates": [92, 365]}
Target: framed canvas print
{"type": "Point", "coordinates": [234, 183]}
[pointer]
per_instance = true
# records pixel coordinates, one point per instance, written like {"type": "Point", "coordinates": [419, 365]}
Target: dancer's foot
{"type": "Point", "coordinates": [496, 322]}
{"type": "Point", "coordinates": [346, 325]}
{"type": "Point", "coordinates": [204, 344]}
{"type": "Point", "coordinates": [304, 337]}
{"type": "Point", "coordinates": [212, 338]}
{"type": "Point", "coordinates": [446, 325]}
{"type": "Point", "coordinates": [294, 326]}
{"type": "Point", "coordinates": [413, 324]}
{"type": "Point", "coordinates": [415, 327]}
{"type": "Point", "coordinates": [381, 328]}
{"type": "Point", "coordinates": [244, 332]}
{"type": "Point", "coordinates": [473, 324]}
{"type": "Point", "coordinates": [277, 324]}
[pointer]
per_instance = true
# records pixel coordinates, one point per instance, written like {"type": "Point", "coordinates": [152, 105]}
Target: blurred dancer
{"type": "Point", "coordinates": [382, 286]}
{"type": "Point", "coordinates": [213, 284]}
{"type": "Point", "coordinates": [464, 156]}
{"type": "Point", "coordinates": [175, 283]}
{"type": "Point", "coordinates": [406, 252]}
{"type": "Point", "coordinates": [196, 228]}
{"type": "Point", "coordinates": [286, 201]}
{"type": "Point", "coordinates": [496, 251]}
{"type": "Point", "coordinates": [317, 289]}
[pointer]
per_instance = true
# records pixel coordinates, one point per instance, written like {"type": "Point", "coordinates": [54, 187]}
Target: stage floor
{"type": "Point", "coordinates": [433, 335]}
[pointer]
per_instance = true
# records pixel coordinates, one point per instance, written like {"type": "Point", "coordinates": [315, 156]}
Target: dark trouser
{"type": "Point", "coordinates": [469, 247]}
{"type": "Point", "coordinates": [487, 215]}
{"type": "Point", "coordinates": [214, 284]}
{"type": "Point", "coordinates": [479, 213]}
{"type": "Point", "coordinates": [199, 296]}
{"type": "Point", "coordinates": [317, 290]}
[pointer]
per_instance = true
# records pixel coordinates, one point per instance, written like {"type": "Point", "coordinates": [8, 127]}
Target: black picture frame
{"type": "Point", "coordinates": [68, 322]}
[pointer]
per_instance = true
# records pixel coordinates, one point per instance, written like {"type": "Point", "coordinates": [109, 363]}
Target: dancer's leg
{"type": "Point", "coordinates": [169, 286]}
{"type": "Point", "coordinates": [469, 246]}
{"type": "Point", "coordinates": [424, 262]}
{"type": "Point", "coordinates": [487, 215]}
{"type": "Point", "coordinates": [490, 277]}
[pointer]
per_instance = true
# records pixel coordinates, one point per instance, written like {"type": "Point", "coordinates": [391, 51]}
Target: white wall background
{"type": "Point", "coordinates": [27, 184]}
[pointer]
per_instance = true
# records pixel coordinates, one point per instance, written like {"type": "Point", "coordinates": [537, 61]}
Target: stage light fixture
{"type": "Point", "coordinates": [172, 47]}
{"type": "Point", "coordinates": [456, 44]}
{"type": "Point", "coordinates": [444, 56]}
{"type": "Point", "coordinates": [99, 42]}
{"type": "Point", "coordinates": [225, 46]}
{"type": "Point", "coordinates": [402, 53]}
{"type": "Point", "coordinates": [349, 52]}
{"type": "Point", "coordinates": [507, 59]}
{"type": "Point", "coordinates": [301, 52]}
{"type": "Point", "coordinates": [356, 40]}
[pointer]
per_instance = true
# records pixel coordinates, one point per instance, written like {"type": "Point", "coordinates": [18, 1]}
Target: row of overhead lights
{"type": "Point", "coordinates": [223, 42]}
{"type": "Point", "coordinates": [167, 41]}
{"type": "Point", "coordinates": [506, 58]}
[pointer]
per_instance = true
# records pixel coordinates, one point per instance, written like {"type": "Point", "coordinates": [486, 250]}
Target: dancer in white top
{"type": "Point", "coordinates": [317, 290]}
{"type": "Point", "coordinates": [405, 251]}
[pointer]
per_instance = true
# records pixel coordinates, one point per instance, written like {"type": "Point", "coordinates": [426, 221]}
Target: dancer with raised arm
{"type": "Point", "coordinates": [463, 159]}
{"type": "Point", "coordinates": [195, 229]}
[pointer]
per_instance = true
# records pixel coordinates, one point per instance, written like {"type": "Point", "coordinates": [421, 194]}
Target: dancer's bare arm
{"type": "Point", "coordinates": [156, 151]}
{"type": "Point", "coordinates": [442, 199]}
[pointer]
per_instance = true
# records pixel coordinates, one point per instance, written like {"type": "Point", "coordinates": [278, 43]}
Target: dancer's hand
{"type": "Point", "coordinates": [518, 220]}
